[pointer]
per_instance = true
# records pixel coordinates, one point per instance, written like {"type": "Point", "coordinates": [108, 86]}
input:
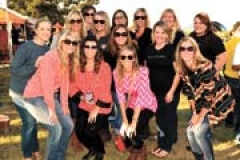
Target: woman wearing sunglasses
{"type": "Point", "coordinates": [159, 59]}
{"type": "Point", "coordinates": [102, 32]}
{"type": "Point", "coordinates": [74, 23]}
{"type": "Point", "coordinates": [137, 102]}
{"type": "Point", "coordinates": [141, 32]}
{"type": "Point", "coordinates": [92, 91]}
{"type": "Point", "coordinates": [208, 93]}
{"type": "Point", "coordinates": [119, 38]}
{"type": "Point", "coordinates": [88, 12]}
{"type": "Point", "coordinates": [119, 17]}
{"type": "Point", "coordinates": [46, 94]}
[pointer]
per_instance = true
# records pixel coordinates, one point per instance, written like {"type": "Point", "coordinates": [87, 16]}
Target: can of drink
{"type": "Point", "coordinates": [89, 97]}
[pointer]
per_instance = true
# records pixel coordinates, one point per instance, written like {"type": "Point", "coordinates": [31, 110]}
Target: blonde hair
{"type": "Point", "coordinates": [165, 28]}
{"type": "Point", "coordinates": [67, 24]}
{"type": "Point", "coordinates": [147, 21]}
{"type": "Point", "coordinates": [120, 68]}
{"type": "Point", "coordinates": [197, 59]}
{"type": "Point", "coordinates": [105, 17]}
{"type": "Point", "coordinates": [176, 25]}
{"type": "Point", "coordinates": [73, 59]}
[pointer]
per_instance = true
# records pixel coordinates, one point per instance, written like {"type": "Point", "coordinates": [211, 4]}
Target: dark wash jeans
{"type": "Point", "coordinates": [235, 86]}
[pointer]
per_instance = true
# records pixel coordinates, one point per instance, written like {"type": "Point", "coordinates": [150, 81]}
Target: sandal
{"type": "Point", "coordinates": [162, 154]}
{"type": "Point", "coordinates": [156, 151]}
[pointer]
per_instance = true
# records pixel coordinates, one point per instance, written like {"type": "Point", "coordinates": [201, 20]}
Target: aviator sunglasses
{"type": "Point", "coordinates": [99, 21]}
{"type": "Point", "coordinates": [78, 21]}
{"type": "Point", "coordinates": [68, 42]}
{"type": "Point", "coordinates": [90, 47]}
{"type": "Point", "coordinates": [140, 17]}
{"type": "Point", "coordinates": [118, 34]}
{"type": "Point", "coordinates": [189, 49]}
{"type": "Point", "coordinates": [130, 57]}
{"type": "Point", "coordinates": [88, 14]}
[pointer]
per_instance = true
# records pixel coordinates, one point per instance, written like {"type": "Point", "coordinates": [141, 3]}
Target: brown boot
{"type": "Point", "coordinates": [132, 155]}
{"type": "Point", "coordinates": [141, 154]}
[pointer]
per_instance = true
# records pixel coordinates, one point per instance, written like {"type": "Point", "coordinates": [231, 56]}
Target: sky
{"type": "Point", "coordinates": [226, 12]}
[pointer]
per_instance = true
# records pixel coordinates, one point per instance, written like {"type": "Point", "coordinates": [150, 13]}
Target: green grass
{"type": "Point", "coordinates": [10, 149]}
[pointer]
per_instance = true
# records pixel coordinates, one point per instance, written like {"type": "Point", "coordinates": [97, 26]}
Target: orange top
{"type": "Point", "coordinates": [48, 78]}
{"type": "Point", "coordinates": [97, 83]}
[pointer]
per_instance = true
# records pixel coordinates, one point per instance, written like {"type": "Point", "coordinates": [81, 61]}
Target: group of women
{"type": "Point", "coordinates": [95, 74]}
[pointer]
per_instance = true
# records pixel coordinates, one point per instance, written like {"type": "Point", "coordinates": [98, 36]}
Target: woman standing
{"type": "Point", "coordinates": [142, 32]}
{"type": "Point", "coordinates": [92, 88]}
{"type": "Point", "coordinates": [24, 64]}
{"type": "Point", "coordinates": [159, 59]}
{"type": "Point", "coordinates": [137, 102]}
{"type": "Point", "coordinates": [210, 45]}
{"type": "Point", "coordinates": [208, 93]}
{"type": "Point", "coordinates": [46, 94]}
{"type": "Point", "coordinates": [170, 18]}
{"type": "Point", "coordinates": [119, 17]}
{"type": "Point", "coordinates": [74, 23]}
{"type": "Point", "coordinates": [119, 38]}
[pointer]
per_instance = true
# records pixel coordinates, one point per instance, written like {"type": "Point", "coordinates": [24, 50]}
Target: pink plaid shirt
{"type": "Point", "coordinates": [140, 94]}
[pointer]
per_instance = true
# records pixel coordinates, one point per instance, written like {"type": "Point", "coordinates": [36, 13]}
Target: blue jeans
{"type": "Point", "coordinates": [59, 133]}
{"type": "Point", "coordinates": [235, 87]}
{"type": "Point", "coordinates": [29, 140]}
{"type": "Point", "coordinates": [115, 117]}
{"type": "Point", "coordinates": [200, 141]}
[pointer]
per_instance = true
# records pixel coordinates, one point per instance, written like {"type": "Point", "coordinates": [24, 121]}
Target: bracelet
{"type": "Point", "coordinates": [135, 119]}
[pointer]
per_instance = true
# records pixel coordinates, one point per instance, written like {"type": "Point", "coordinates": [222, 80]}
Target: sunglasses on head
{"type": "Point", "coordinates": [68, 42]}
{"type": "Point", "coordinates": [99, 21]}
{"type": "Point", "coordinates": [88, 14]}
{"type": "Point", "coordinates": [78, 21]}
{"type": "Point", "coordinates": [140, 17]}
{"type": "Point", "coordinates": [118, 34]}
{"type": "Point", "coordinates": [90, 47]}
{"type": "Point", "coordinates": [130, 57]}
{"type": "Point", "coordinates": [189, 49]}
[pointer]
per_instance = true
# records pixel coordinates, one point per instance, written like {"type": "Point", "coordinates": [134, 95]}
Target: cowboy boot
{"type": "Point", "coordinates": [141, 154]}
{"type": "Point", "coordinates": [133, 154]}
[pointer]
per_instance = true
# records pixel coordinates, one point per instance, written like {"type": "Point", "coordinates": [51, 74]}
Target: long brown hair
{"type": "Point", "coordinates": [98, 56]}
{"type": "Point", "coordinates": [112, 45]}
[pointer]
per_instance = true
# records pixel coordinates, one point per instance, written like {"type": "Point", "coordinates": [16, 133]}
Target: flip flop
{"type": "Point", "coordinates": [162, 154]}
{"type": "Point", "coordinates": [156, 151]}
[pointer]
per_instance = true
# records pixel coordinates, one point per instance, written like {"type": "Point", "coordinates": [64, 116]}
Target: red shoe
{"type": "Point", "coordinates": [119, 143]}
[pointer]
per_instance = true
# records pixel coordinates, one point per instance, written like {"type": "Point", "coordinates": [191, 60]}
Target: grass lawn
{"type": "Point", "coordinates": [10, 149]}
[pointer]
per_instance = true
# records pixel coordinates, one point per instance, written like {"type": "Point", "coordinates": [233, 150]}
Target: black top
{"type": "Point", "coordinates": [161, 71]}
{"type": "Point", "coordinates": [178, 36]}
{"type": "Point", "coordinates": [210, 45]}
{"type": "Point", "coordinates": [143, 41]}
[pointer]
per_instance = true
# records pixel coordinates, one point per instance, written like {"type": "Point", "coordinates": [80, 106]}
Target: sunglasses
{"type": "Point", "coordinates": [88, 14]}
{"type": "Point", "coordinates": [68, 42]}
{"type": "Point", "coordinates": [140, 17]}
{"type": "Point", "coordinates": [130, 57]}
{"type": "Point", "coordinates": [99, 21]}
{"type": "Point", "coordinates": [90, 47]}
{"type": "Point", "coordinates": [78, 21]}
{"type": "Point", "coordinates": [118, 34]}
{"type": "Point", "coordinates": [189, 49]}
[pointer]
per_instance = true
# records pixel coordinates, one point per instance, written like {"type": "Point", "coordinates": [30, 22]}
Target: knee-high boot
{"type": "Point", "coordinates": [76, 144]}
